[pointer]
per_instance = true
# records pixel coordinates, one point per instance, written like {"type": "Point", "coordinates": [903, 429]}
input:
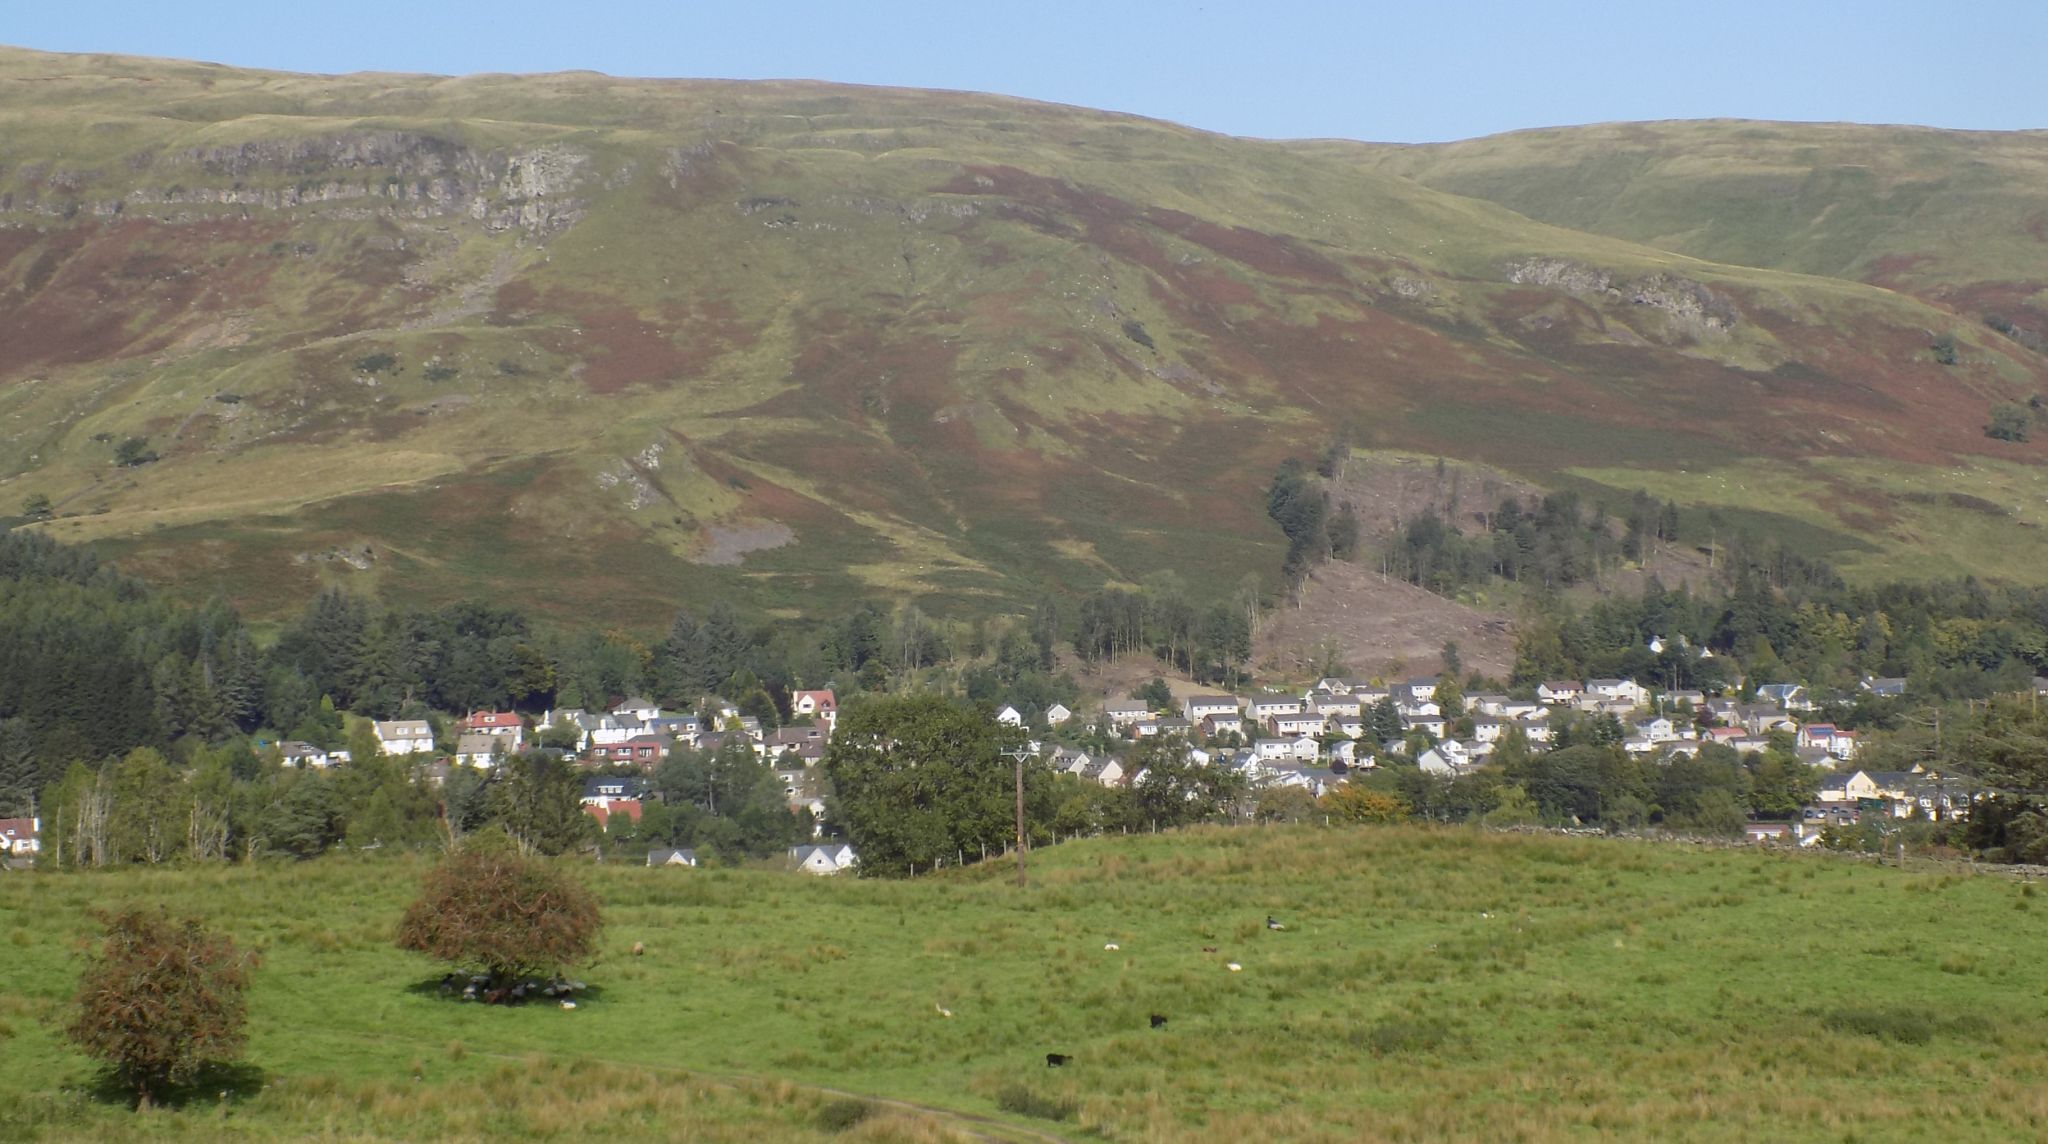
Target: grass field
{"type": "Point", "coordinates": [1430, 985]}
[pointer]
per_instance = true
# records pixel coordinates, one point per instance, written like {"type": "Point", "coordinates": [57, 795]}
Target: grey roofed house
{"type": "Point", "coordinates": [670, 856]}
{"type": "Point", "coordinates": [1891, 686]}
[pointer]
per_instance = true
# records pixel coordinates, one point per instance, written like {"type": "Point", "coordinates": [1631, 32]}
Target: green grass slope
{"type": "Point", "coordinates": [1960, 216]}
{"type": "Point", "coordinates": [1429, 985]}
{"type": "Point", "coordinates": [605, 344]}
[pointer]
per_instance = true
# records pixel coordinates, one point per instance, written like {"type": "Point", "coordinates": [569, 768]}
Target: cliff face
{"type": "Point", "coordinates": [604, 345]}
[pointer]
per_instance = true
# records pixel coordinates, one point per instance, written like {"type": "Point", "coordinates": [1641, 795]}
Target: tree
{"type": "Point", "coordinates": [1174, 790]}
{"type": "Point", "coordinates": [515, 916]}
{"type": "Point", "coordinates": [36, 506]}
{"type": "Point", "coordinates": [2009, 422]}
{"type": "Point", "coordinates": [538, 798]}
{"type": "Point", "coordinates": [160, 999]}
{"type": "Point", "coordinates": [1354, 803]}
{"type": "Point", "coordinates": [132, 452]}
{"type": "Point", "coordinates": [918, 778]}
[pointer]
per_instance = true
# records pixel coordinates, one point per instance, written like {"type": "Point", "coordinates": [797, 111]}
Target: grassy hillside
{"type": "Point", "coordinates": [1960, 217]}
{"type": "Point", "coordinates": [604, 344]}
{"type": "Point", "coordinates": [1430, 985]}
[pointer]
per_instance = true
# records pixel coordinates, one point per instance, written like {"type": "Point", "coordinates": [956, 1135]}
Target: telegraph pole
{"type": "Point", "coordinates": [1017, 756]}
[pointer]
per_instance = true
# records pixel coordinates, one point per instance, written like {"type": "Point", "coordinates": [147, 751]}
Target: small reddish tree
{"type": "Point", "coordinates": [490, 906]}
{"type": "Point", "coordinates": [160, 999]}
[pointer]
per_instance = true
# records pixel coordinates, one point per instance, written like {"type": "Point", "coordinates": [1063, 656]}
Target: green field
{"type": "Point", "coordinates": [1431, 984]}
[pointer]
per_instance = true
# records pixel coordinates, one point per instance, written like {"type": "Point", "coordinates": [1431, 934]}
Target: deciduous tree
{"type": "Point", "coordinates": [160, 998]}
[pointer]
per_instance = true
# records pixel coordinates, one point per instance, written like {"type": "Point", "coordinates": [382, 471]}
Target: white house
{"type": "Point", "coordinates": [480, 750]}
{"type": "Point", "coordinates": [669, 856]}
{"type": "Point", "coordinates": [1290, 726]}
{"type": "Point", "coordinates": [1124, 712]}
{"type": "Point", "coordinates": [821, 706]}
{"type": "Point", "coordinates": [1266, 706]}
{"type": "Point", "coordinates": [1196, 708]}
{"type": "Point", "coordinates": [1556, 691]}
{"type": "Point", "coordinates": [637, 707]}
{"type": "Point", "coordinates": [1448, 759]}
{"type": "Point", "coordinates": [1010, 717]}
{"type": "Point", "coordinates": [1057, 714]}
{"type": "Point", "coordinates": [1222, 724]}
{"type": "Point", "coordinates": [823, 858]}
{"type": "Point", "coordinates": [297, 754]}
{"type": "Point", "coordinates": [1617, 691]}
{"type": "Point", "coordinates": [405, 737]}
{"type": "Point", "coordinates": [20, 837]}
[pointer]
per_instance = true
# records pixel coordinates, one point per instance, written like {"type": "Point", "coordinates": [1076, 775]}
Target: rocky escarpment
{"type": "Point", "coordinates": [538, 191]}
{"type": "Point", "coordinates": [1689, 305]}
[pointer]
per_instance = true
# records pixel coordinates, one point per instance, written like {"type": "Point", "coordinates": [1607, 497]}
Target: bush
{"type": "Point", "coordinates": [133, 451]}
{"type": "Point", "coordinates": [377, 363]}
{"type": "Point", "coordinates": [2010, 421]}
{"type": "Point", "coordinates": [160, 999]}
{"type": "Point", "coordinates": [1944, 348]}
{"type": "Point", "coordinates": [490, 906]}
{"type": "Point", "coordinates": [840, 1115]}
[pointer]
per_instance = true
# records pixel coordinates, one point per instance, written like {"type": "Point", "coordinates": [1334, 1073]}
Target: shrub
{"type": "Point", "coordinates": [1135, 330]}
{"type": "Point", "coordinates": [840, 1115]}
{"type": "Point", "coordinates": [376, 363]}
{"type": "Point", "coordinates": [440, 372]}
{"type": "Point", "coordinates": [2010, 421]}
{"type": "Point", "coordinates": [133, 451]}
{"type": "Point", "coordinates": [1944, 348]}
{"type": "Point", "coordinates": [490, 906]}
{"type": "Point", "coordinates": [160, 999]}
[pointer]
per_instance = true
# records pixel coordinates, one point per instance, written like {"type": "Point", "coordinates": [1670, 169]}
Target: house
{"type": "Point", "coordinates": [1488, 730]}
{"type": "Point", "coordinates": [685, 728]}
{"type": "Point", "coordinates": [405, 737]}
{"type": "Point", "coordinates": [1349, 726]}
{"type": "Point", "coordinates": [1292, 726]}
{"type": "Point", "coordinates": [1214, 726]}
{"type": "Point", "coordinates": [1057, 714]}
{"type": "Point", "coordinates": [298, 754]}
{"type": "Point", "coordinates": [823, 857]}
{"type": "Point", "coordinates": [1448, 759]}
{"type": "Point", "coordinates": [806, 744]}
{"type": "Point", "coordinates": [1487, 703]}
{"type": "Point", "coordinates": [1617, 691]}
{"type": "Point", "coordinates": [1068, 761]}
{"type": "Point", "coordinates": [668, 856]}
{"type": "Point", "coordinates": [637, 707]}
{"type": "Point", "coordinates": [494, 723]}
{"type": "Point", "coordinates": [1687, 698]}
{"type": "Point", "coordinates": [1196, 708]}
{"type": "Point", "coordinates": [1892, 688]}
{"type": "Point", "coordinates": [1560, 691]}
{"type": "Point", "coordinates": [821, 706]}
{"type": "Point", "coordinates": [1266, 706]}
{"type": "Point", "coordinates": [1315, 780]}
{"type": "Point", "coordinates": [628, 808]}
{"type": "Point", "coordinates": [1331, 703]}
{"type": "Point", "coordinates": [603, 790]}
{"type": "Point", "coordinates": [1827, 737]}
{"type": "Point", "coordinates": [1425, 709]}
{"type": "Point", "coordinates": [480, 750]}
{"type": "Point", "coordinates": [1657, 730]}
{"type": "Point", "coordinates": [1272, 750]}
{"type": "Point", "coordinates": [1768, 832]}
{"type": "Point", "coordinates": [1784, 696]}
{"type": "Point", "coordinates": [643, 751]}
{"type": "Point", "coordinates": [1431, 725]}
{"type": "Point", "coordinates": [1121, 713]}
{"type": "Point", "coordinates": [1107, 770]}
{"type": "Point", "coordinates": [1418, 690]}
{"type": "Point", "coordinates": [1010, 717]}
{"type": "Point", "coordinates": [21, 837]}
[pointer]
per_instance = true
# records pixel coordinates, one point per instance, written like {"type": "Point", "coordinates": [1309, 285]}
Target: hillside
{"type": "Point", "coordinates": [600, 345]}
{"type": "Point", "coordinates": [1430, 985]}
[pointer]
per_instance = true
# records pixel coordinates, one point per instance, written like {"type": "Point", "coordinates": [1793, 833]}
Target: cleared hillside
{"type": "Point", "coordinates": [605, 344]}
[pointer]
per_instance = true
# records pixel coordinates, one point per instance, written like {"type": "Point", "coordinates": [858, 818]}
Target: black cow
{"type": "Point", "coordinates": [1056, 1060]}
{"type": "Point", "coordinates": [1158, 1022]}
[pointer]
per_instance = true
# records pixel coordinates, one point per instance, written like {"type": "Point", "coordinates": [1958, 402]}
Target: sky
{"type": "Point", "coordinates": [1414, 71]}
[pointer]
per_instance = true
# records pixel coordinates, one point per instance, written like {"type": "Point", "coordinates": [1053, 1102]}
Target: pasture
{"type": "Point", "coordinates": [1429, 984]}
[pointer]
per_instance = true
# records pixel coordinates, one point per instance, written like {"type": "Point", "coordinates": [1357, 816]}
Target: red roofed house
{"type": "Point", "coordinates": [629, 807]}
{"type": "Point", "coordinates": [19, 837]}
{"type": "Point", "coordinates": [821, 706]}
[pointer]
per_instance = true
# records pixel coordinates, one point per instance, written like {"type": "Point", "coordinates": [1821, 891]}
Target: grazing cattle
{"type": "Point", "coordinates": [1056, 1060]}
{"type": "Point", "coordinates": [1158, 1022]}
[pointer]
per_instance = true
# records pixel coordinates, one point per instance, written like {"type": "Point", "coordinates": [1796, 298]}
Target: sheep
{"type": "Point", "coordinates": [943, 1011]}
{"type": "Point", "coordinates": [1233, 967]}
{"type": "Point", "coordinates": [1056, 1060]}
{"type": "Point", "coordinates": [638, 949]}
{"type": "Point", "coordinates": [1112, 947]}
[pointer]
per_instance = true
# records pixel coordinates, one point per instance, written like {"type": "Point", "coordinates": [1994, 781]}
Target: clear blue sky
{"type": "Point", "coordinates": [1413, 71]}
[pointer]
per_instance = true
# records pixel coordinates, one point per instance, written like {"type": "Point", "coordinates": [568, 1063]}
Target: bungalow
{"type": "Point", "coordinates": [1768, 832]}
{"type": "Point", "coordinates": [405, 737]}
{"type": "Point", "coordinates": [823, 857]}
{"type": "Point", "coordinates": [20, 837]}
{"type": "Point", "coordinates": [669, 856]}
{"type": "Point", "coordinates": [1107, 770]}
{"type": "Point", "coordinates": [1560, 691]}
{"type": "Point", "coordinates": [821, 706]}
{"type": "Point", "coordinates": [1057, 714]}
{"type": "Point", "coordinates": [1196, 708]}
